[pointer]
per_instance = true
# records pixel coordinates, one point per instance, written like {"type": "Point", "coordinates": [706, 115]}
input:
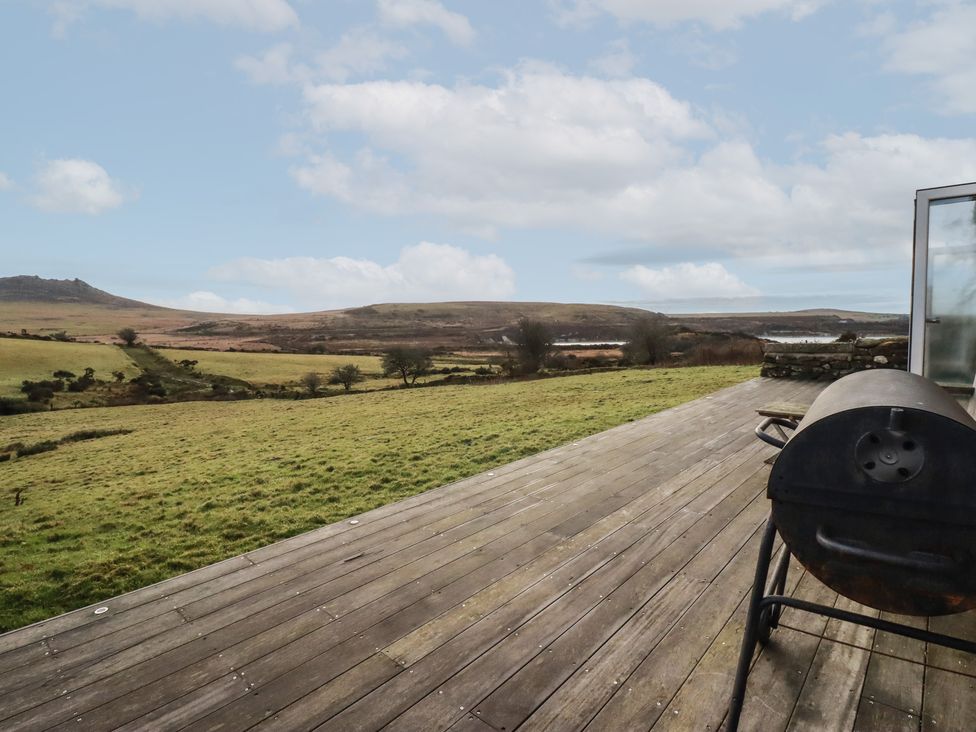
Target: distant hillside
{"type": "Point", "coordinates": [85, 312]}
{"type": "Point", "coordinates": [820, 321]}
{"type": "Point", "coordinates": [44, 306]}
{"type": "Point", "coordinates": [31, 288]}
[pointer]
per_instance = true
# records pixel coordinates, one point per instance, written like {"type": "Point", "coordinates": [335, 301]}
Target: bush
{"type": "Point", "coordinates": [127, 336]}
{"type": "Point", "coordinates": [19, 406]}
{"type": "Point", "coordinates": [37, 392]}
{"type": "Point", "coordinates": [407, 363]}
{"type": "Point", "coordinates": [37, 448]}
{"type": "Point", "coordinates": [80, 385]}
{"type": "Point", "coordinates": [347, 375]}
{"type": "Point", "coordinates": [52, 385]}
{"type": "Point", "coordinates": [649, 340]}
{"type": "Point", "coordinates": [92, 434]}
{"type": "Point", "coordinates": [62, 374]}
{"type": "Point", "coordinates": [533, 345]}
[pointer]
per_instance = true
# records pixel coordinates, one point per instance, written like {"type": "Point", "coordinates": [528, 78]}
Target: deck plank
{"type": "Point", "coordinates": [597, 585]}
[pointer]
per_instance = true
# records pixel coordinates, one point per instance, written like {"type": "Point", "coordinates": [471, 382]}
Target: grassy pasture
{"type": "Point", "coordinates": [22, 359]}
{"type": "Point", "coordinates": [196, 482]}
{"type": "Point", "coordinates": [260, 369]}
{"type": "Point", "coordinates": [271, 368]}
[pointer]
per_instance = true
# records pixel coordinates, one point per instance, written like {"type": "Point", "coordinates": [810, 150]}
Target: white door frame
{"type": "Point", "coordinates": [920, 266]}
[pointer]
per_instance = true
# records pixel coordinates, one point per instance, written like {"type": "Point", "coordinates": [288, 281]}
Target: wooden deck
{"type": "Point", "coordinates": [597, 586]}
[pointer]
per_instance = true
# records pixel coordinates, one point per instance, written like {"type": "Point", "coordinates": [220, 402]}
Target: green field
{"type": "Point", "coordinates": [197, 482]}
{"type": "Point", "coordinates": [22, 359]}
{"type": "Point", "coordinates": [271, 368]}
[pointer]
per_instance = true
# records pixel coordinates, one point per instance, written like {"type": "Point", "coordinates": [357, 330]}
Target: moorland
{"type": "Point", "coordinates": [203, 437]}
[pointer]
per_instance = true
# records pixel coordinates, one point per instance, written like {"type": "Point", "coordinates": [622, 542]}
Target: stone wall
{"type": "Point", "coordinates": [833, 360]}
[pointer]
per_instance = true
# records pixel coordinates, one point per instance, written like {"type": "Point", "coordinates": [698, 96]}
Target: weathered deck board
{"type": "Point", "coordinates": [598, 585]}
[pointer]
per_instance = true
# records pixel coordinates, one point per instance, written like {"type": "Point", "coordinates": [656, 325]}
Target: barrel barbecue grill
{"type": "Point", "coordinates": [875, 495]}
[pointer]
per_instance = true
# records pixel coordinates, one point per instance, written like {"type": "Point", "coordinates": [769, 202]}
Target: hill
{"type": "Point", "coordinates": [31, 288]}
{"type": "Point", "coordinates": [47, 306]}
{"type": "Point", "coordinates": [85, 312]}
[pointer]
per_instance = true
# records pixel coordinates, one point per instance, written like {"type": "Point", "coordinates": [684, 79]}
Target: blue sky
{"type": "Point", "coordinates": [279, 155]}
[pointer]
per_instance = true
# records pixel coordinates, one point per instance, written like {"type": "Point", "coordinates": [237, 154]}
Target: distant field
{"type": "Point", "coordinates": [288, 368]}
{"type": "Point", "coordinates": [271, 368]}
{"type": "Point", "coordinates": [22, 359]}
{"type": "Point", "coordinates": [197, 482]}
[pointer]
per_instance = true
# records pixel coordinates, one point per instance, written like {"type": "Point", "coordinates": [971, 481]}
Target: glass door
{"type": "Point", "coordinates": [944, 311]}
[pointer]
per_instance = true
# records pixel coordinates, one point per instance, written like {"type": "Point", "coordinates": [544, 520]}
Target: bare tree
{"type": "Point", "coordinates": [649, 340]}
{"type": "Point", "coordinates": [347, 375]}
{"type": "Point", "coordinates": [407, 363]}
{"type": "Point", "coordinates": [533, 345]}
{"type": "Point", "coordinates": [127, 336]}
{"type": "Point", "coordinates": [312, 381]}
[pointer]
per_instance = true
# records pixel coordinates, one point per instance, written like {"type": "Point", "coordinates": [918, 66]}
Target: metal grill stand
{"type": "Point", "coordinates": [765, 608]}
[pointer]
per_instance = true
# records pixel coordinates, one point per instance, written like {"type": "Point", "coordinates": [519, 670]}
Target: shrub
{"type": "Point", "coordinates": [37, 391]}
{"type": "Point", "coordinates": [533, 345]}
{"type": "Point", "coordinates": [62, 374]}
{"type": "Point", "coordinates": [37, 448]}
{"type": "Point", "coordinates": [19, 406]}
{"type": "Point", "coordinates": [649, 340]}
{"type": "Point", "coordinates": [92, 434]}
{"type": "Point", "coordinates": [347, 375]}
{"type": "Point", "coordinates": [80, 385]}
{"type": "Point", "coordinates": [311, 381]}
{"type": "Point", "coordinates": [407, 363]}
{"type": "Point", "coordinates": [127, 336]}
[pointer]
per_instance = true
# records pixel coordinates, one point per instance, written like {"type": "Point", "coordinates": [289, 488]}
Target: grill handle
{"type": "Point", "coordinates": [916, 561]}
{"type": "Point", "coordinates": [778, 442]}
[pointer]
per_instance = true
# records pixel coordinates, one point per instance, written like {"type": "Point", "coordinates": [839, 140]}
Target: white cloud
{"type": "Point", "coordinates": [424, 272]}
{"type": "Point", "coordinates": [687, 281]}
{"type": "Point", "coordinates": [427, 12]}
{"type": "Point", "coordinates": [358, 52]}
{"type": "Point", "coordinates": [257, 15]}
{"type": "Point", "coordinates": [622, 158]}
{"type": "Point", "coordinates": [204, 301]}
{"type": "Point", "coordinates": [943, 48]}
{"type": "Point", "coordinates": [75, 186]}
{"type": "Point", "coordinates": [5, 183]}
{"type": "Point", "coordinates": [719, 14]}
{"type": "Point", "coordinates": [276, 65]}
{"type": "Point", "coordinates": [619, 60]}
{"type": "Point", "coordinates": [517, 154]}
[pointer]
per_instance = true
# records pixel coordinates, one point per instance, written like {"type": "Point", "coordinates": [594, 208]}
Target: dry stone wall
{"type": "Point", "coordinates": [832, 360]}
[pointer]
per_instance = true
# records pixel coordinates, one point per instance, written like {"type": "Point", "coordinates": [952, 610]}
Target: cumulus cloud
{"type": "Point", "coordinates": [619, 60]}
{"type": "Point", "coordinates": [256, 15]}
{"type": "Point", "coordinates": [5, 183]}
{"type": "Point", "coordinates": [687, 281]}
{"type": "Point", "coordinates": [620, 157]}
{"type": "Point", "coordinates": [360, 51]}
{"type": "Point", "coordinates": [204, 301]}
{"type": "Point", "coordinates": [719, 14]}
{"type": "Point", "coordinates": [72, 185]}
{"type": "Point", "coordinates": [521, 153]}
{"type": "Point", "coordinates": [427, 12]}
{"type": "Point", "coordinates": [942, 48]}
{"type": "Point", "coordinates": [423, 272]}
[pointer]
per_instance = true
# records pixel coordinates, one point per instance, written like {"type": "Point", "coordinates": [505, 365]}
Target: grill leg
{"type": "Point", "coordinates": [751, 635]}
{"type": "Point", "coordinates": [778, 587]}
